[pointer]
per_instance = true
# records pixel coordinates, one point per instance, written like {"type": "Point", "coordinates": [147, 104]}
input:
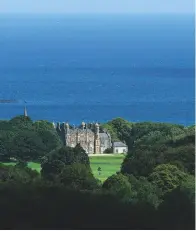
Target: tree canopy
{"type": "Point", "coordinates": [21, 138]}
{"type": "Point", "coordinates": [54, 163]}
{"type": "Point", "coordinates": [154, 144]}
{"type": "Point", "coordinates": [154, 190]}
{"type": "Point", "coordinates": [78, 176]}
{"type": "Point", "coordinates": [177, 211]}
{"type": "Point", "coordinates": [119, 185]}
{"type": "Point", "coordinates": [167, 177]}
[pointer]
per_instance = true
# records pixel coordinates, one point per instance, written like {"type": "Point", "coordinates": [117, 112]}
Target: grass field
{"type": "Point", "coordinates": [109, 165]}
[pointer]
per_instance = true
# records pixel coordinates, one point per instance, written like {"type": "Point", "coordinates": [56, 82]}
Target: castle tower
{"type": "Point", "coordinates": [87, 138]}
{"type": "Point", "coordinates": [67, 127]}
{"type": "Point", "coordinates": [97, 139]}
{"type": "Point", "coordinates": [77, 137]}
{"type": "Point", "coordinates": [67, 134]}
{"type": "Point", "coordinates": [83, 125]}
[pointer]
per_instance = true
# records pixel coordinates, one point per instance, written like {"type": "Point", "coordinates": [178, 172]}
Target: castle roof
{"type": "Point", "coordinates": [103, 135]}
{"type": "Point", "coordinates": [119, 144]}
{"type": "Point", "coordinates": [80, 131]}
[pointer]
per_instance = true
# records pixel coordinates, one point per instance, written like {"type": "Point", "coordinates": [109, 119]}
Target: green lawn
{"type": "Point", "coordinates": [109, 165]}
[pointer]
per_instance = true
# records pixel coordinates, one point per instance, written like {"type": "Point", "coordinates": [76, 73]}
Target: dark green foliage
{"type": "Point", "coordinates": [22, 139]}
{"type": "Point", "coordinates": [6, 137]}
{"type": "Point", "coordinates": [148, 133]}
{"type": "Point", "coordinates": [79, 177]}
{"type": "Point", "coordinates": [64, 154]}
{"type": "Point", "coordinates": [50, 139]}
{"type": "Point", "coordinates": [183, 155]}
{"type": "Point", "coordinates": [50, 169]}
{"type": "Point", "coordinates": [27, 145]}
{"type": "Point", "coordinates": [167, 177]}
{"type": "Point", "coordinates": [188, 187]}
{"type": "Point", "coordinates": [108, 151]}
{"type": "Point", "coordinates": [44, 206]}
{"type": "Point", "coordinates": [172, 144]}
{"type": "Point", "coordinates": [40, 205]}
{"type": "Point", "coordinates": [120, 186]}
{"type": "Point", "coordinates": [151, 144]}
{"type": "Point", "coordinates": [67, 196]}
{"type": "Point", "coordinates": [21, 122]}
{"type": "Point", "coordinates": [55, 162]}
{"type": "Point", "coordinates": [17, 174]}
{"type": "Point", "coordinates": [144, 191]}
{"type": "Point", "coordinates": [142, 161]}
{"type": "Point", "coordinates": [48, 134]}
{"type": "Point", "coordinates": [21, 164]}
{"type": "Point", "coordinates": [119, 129]}
{"type": "Point", "coordinates": [70, 155]}
{"type": "Point", "coordinates": [81, 156]}
{"type": "Point", "coordinates": [43, 125]}
{"type": "Point", "coordinates": [178, 208]}
{"type": "Point", "coordinates": [5, 125]}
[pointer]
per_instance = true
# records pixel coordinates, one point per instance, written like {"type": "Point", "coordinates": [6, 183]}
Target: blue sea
{"type": "Point", "coordinates": [98, 67]}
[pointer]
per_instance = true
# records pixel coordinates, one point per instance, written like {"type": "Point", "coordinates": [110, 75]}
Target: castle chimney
{"type": "Point", "coordinates": [67, 127]}
{"type": "Point", "coordinates": [97, 128]}
{"type": "Point", "coordinates": [83, 125]}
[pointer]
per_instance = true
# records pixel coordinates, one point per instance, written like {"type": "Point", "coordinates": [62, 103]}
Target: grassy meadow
{"type": "Point", "coordinates": [109, 165]}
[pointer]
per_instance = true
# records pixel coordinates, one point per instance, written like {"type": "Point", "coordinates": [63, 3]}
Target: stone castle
{"type": "Point", "coordinates": [87, 135]}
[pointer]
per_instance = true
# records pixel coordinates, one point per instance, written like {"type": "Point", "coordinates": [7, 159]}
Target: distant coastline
{"type": "Point", "coordinates": [8, 101]}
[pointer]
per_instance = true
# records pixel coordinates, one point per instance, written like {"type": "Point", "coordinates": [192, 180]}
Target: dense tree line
{"type": "Point", "coordinates": [23, 139]}
{"type": "Point", "coordinates": [159, 166]}
{"type": "Point", "coordinates": [155, 188]}
{"type": "Point", "coordinates": [151, 144]}
{"type": "Point", "coordinates": [29, 201]}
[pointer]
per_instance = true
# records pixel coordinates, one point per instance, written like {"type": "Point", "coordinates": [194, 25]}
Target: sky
{"type": "Point", "coordinates": [97, 6]}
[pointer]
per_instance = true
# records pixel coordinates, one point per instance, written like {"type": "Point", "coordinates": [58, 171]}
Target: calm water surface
{"type": "Point", "coordinates": [95, 68]}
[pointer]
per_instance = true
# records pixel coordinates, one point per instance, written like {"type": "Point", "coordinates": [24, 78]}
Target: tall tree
{"type": "Point", "coordinates": [167, 177]}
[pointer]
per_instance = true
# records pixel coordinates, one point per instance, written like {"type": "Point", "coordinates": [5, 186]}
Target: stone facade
{"type": "Point", "coordinates": [90, 139]}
